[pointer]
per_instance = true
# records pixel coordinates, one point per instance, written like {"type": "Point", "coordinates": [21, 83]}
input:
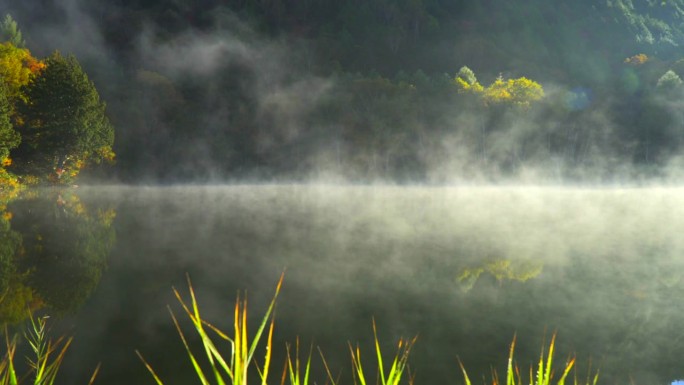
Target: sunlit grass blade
{"type": "Point", "coordinates": [379, 354]}
{"type": "Point", "coordinates": [226, 368]}
{"type": "Point", "coordinates": [9, 374]}
{"type": "Point", "coordinates": [546, 380]}
{"type": "Point", "coordinates": [397, 368]}
{"type": "Point", "coordinates": [44, 370]}
{"type": "Point", "coordinates": [543, 375]}
{"type": "Point", "coordinates": [50, 370]}
{"type": "Point", "coordinates": [95, 373]}
{"type": "Point", "coordinates": [589, 380]}
{"type": "Point", "coordinates": [191, 356]}
{"type": "Point", "coordinates": [269, 312]}
{"type": "Point", "coordinates": [267, 356]}
{"type": "Point", "coordinates": [568, 366]}
{"type": "Point", "coordinates": [465, 374]}
{"type": "Point", "coordinates": [357, 368]}
{"type": "Point", "coordinates": [332, 380]}
{"type": "Point", "coordinates": [294, 371]}
{"type": "Point", "coordinates": [210, 349]}
{"type": "Point", "coordinates": [149, 368]}
{"type": "Point", "coordinates": [510, 377]}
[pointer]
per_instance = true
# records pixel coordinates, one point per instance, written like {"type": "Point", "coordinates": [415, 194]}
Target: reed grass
{"type": "Point", "coordinates": [293, 368]}
{"type": "Point", "coordinates": [396, 369]}
{"type": "Point", "coordinates": [45, 360]}
{"type": "Point", "coordinates": [232, 368]}
{"type": "Point", "coordinates": [544, 374]}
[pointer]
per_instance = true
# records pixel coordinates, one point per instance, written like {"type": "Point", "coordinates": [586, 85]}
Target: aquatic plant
{"type": "Point", "coordinates": [292, 370]}
{"type": "Point", "coordinates": [225, 368]}
{"type": "Point", "coordinates": [231, 367]}
{"type": "Point", "coordinates": [543, 375]}
{"type": "Point", "coordinates": [47, 356]}
{"type": "Point", "coordinates": [396, 370]}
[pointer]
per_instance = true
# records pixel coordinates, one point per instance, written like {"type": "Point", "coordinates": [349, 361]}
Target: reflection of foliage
{"type": "Point", "coordinates": [9, 243]}
{"type": "Point", "coordinates": [53, 254]}
{"type": "Point", "coordinates": [16, 301]}
{"type": "Point", "coordinates": [501, 269]}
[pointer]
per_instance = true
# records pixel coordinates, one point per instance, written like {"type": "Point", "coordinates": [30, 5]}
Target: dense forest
{"type": "Point", "coordinates": [428, 91]}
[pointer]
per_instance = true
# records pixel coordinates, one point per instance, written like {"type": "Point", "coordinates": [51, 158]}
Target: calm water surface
{"type": "Point", "coordinates": [464, 268]}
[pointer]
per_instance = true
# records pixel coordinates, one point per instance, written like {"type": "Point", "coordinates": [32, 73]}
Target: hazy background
{"type": "Point", "coordinates": [363, 90]}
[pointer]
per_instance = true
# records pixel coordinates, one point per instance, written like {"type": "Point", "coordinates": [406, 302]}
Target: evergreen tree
{"type": "Point", "coordinates": [9, 31]}
{"type": "Point", "coordinates": [9, 138]}
{"type": "Point", "coordinates": [65, 126]}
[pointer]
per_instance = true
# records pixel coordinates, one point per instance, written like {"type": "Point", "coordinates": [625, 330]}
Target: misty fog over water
{"type": "Point", "coordinates": [469, 171]}
{"type": "Point", "coordinates": [464, 268]}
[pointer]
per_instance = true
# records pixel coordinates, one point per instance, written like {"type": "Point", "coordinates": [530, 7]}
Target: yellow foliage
{"type": "Point", "coordinates": [497, 92]}
{"type": "Point", "coordinates": [106, 153]}
{"type": "Point", "coordinates": [464, 86]}
{"type": "Point", "coordinates": [17, 67]}
{"type": "Point", "coordinates": [8, 181]}
{"type": "Point", "coordinates": [637, 60]}
{"type": "Point", "coordinates": [106, 217]}
{"type": "Point", "coordinates": [521, 92]}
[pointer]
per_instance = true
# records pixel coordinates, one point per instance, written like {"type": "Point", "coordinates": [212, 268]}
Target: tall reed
{"type": "Point", "coordinates": [396, 369]}
{"type": "Point", "coordinates": [224, 368]}
{"type": "Point", "coordinates": [45, 360]}
{"type": "Point", "coordinates": [233, 367]}
{"type": "Point", "coordinates": [544, 374]}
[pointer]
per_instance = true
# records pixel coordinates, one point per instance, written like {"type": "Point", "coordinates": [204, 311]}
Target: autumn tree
{"type": "Point", "coordinates": [64, 123]}
{"type": "Point", "coordinates": [521, 92]}
{"type": "Point", "coordinates": [17, 68]}
{"type": "Point", "coordinates": [466, 81]}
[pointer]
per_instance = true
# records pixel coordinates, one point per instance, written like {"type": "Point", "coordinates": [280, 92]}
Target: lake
{"type": "Point", "coordinates": [464, 268]}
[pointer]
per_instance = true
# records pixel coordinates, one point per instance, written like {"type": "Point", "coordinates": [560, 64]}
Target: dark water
{"type": "Point", "coordinates": [464, 268]}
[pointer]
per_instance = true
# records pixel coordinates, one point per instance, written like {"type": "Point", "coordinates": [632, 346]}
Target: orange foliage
{"type": "Point", "coordinates": [17, 68]}
{"type": "Point", "coordinates": [637, 60]}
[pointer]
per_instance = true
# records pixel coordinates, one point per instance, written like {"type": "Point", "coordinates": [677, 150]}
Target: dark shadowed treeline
{"type": "Point", "coordinates": [222, 90]}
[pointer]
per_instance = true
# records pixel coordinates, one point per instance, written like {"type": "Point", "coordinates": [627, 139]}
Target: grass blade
{"type": "Point", "coordinates": [465, 374]}
{"type": "Point", "coordinates": [510, 377]}
{"type": "Point", "coordinates": [193, 360]}
{"type": "Point", "coordinates": [149, 368]}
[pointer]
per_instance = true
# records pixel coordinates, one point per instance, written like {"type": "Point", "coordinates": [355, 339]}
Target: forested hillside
{"type": "Point", "coordinates": [272, 89]}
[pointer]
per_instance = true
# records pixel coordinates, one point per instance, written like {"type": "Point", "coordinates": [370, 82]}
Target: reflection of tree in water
{"type": "Point", "coordinates": [14, 296]}
{"type": "Point", "coordinates": [501, 269]}
{"type": "Point", "coordinates": [53, 250]}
